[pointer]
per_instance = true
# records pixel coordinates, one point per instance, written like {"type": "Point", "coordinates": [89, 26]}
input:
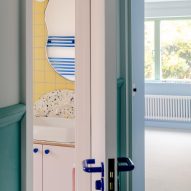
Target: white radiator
{"type": "Point", "coordinates": [167, 107]}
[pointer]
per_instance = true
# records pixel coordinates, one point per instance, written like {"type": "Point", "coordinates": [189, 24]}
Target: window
{"type": "Point", "coordinates": [168, 49]}
{"type": "Point", "coordinates": [149, 47]}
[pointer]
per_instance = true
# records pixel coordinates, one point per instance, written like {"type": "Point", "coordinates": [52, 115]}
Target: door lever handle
{"type": "Point", "coordinates": [99, 184]}
{"type": "Point", "coordinates": [125, 165]}
{"type": "Point", "coordinates": [89, 169]}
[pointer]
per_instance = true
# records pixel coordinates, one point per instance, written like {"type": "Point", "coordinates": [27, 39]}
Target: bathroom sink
{"type": "Point", "coordinates": [54, 129]}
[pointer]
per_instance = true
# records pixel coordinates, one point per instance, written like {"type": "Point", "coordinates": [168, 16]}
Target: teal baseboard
{"type": "Point", "coordinates": [10, 147]}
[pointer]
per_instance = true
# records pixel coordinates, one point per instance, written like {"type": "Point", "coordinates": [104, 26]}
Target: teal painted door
{"type": "Point", "coordinates": [130, 90]}
{"type": "Point", "coordinates": [122, 95]}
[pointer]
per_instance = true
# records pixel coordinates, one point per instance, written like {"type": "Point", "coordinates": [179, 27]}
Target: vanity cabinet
{"type": "Point", "coordinates": [37, 167]}
{"type": "Point", "coordinates": [53, 168]}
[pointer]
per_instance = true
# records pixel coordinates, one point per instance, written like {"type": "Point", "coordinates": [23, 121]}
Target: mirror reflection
{"type": "Point", "coordinates": [60, 22]}
{"type": "Point", "coordinates": [54, 126]}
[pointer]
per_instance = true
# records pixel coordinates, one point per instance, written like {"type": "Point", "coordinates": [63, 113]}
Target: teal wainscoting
{"type": "Point", "coordinates": [10, 147]}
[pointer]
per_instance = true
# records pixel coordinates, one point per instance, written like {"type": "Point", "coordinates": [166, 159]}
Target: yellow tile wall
{"type": "Point", "coordinates": [45, 79]}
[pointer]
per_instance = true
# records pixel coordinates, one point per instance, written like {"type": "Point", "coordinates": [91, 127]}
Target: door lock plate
{"type": "Point", "coordinates": [111, 175]}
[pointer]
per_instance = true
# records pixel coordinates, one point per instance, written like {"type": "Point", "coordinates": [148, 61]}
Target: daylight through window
{"type": "Point", "coordinates": [168, 49]}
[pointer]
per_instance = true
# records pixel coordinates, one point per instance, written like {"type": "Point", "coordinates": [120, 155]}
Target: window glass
{"type": "Point", "coordinates": [175, 38]}
{"type": "Point", "coordinates": [149, 50]}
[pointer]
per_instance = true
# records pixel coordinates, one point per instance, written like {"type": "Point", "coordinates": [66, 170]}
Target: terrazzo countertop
{"type": "Point", "coordinates": [58, 103]}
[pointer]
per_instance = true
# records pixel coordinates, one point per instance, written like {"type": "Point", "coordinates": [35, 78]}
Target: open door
{"type": "Point", "coordinates": [97, 94]}
{"type": "Point", "coordinates": [117, 125]}
{"type": "Point", "coordinates": [104, 90]}
{"type": "Point", "coordinates": [117, 101]}
{"type": "Point", "coordinates": [91, 96]}
{"type": "Point", "coordinates": [130, 91]}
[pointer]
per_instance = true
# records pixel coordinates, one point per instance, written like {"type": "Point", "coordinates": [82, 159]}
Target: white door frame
{"type": "Point", "coordinates": [103, 83]}
{"type": "Point", "coordinates": [82, 92]}
{"type": "Point", "coordinates": [26, 82]}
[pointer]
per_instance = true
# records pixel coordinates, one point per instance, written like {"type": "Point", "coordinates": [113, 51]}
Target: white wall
{"type": "Point", "coordinates": [9, 52]}
{"type": "Point", "coordinates": [168, 159]}
{"type": "Point", "coordinates": [167, 8]}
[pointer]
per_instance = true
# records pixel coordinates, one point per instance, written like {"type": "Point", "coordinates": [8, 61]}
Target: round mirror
{"type": "Point", "coordinates": [60, 21]}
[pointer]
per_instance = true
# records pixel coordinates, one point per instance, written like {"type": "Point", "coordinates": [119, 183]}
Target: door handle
{"type": "Point", "coordinates": [47, 151]}
{"type": "Point", "coordinates": [99, 184]}
{"type": "Point", "coordinates": [125, 164]}
{"type": "Point", "coordinates": [35, 150]}
{"type": "Point", "coordinates": [87, 168]}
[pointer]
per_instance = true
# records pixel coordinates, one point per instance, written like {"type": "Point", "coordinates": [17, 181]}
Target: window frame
{"type": "Point", "coordinates": [157, 51]}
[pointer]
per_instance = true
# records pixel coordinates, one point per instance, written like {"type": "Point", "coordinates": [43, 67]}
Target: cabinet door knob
{"type": "Point", "coordinates": [47, 151]}
{"type": "Point", "coordinates": [35, 150]}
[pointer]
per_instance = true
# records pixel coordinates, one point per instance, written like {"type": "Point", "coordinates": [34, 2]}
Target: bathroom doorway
{"type": "Point", "coordinates": [99, 112]}
{"type": "Point", "coordinates": [58, 157]}
{"type": "Point", "coordinates": [56, 95]}
{"type": "Point", "coordinates": [54, 66]}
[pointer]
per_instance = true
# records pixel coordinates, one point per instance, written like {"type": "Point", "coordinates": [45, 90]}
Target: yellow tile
{"type": "Point", "coordinates": [39, 89]}
{"type": "Point", "coordinates": [34, 90]}
{"type": "Point", "coordinates": [60, 86]}
{"type": "Point", "coordinates": [48, 67]}
{"type": "Point", "coordinates": [46, 3]}
{"type": "Point", "coordinates": [38, 96]}
{"type": "Point", "coordinates": [39, 7]}
{"type": "Point", "coordinates": [33, 30]}
{"type": "Point", "coordinates": [39, 53]}
{"type": "Point", "coordinates": [33, 76]}
{"type": "Point", "coordinates": [39, 76]}
{"type": "Point", "coordinates": [46, 62]}
{"type": "Point", "coordinates": [39, 42]}
{"type": "Point", "coordinates": [33, 65]}
{"type": "Point", "coordinates": [35, 98]}
{"type": "Point", "coordinates": [60, 79]}
{"type": "Point", "coordinates": [33, 18]}
{"type": "Point", "coordinates": [71, 86]}
{"type": "Point", "coordinates": [39, 30]}
{"type": "Point", "coordinates": [39, 19]}
{"type": "Point", "coordinates": [39, 65]}
{"type": "Point", "coordinates": [49, 87]}
{"type": "Point", "coordinates": [40, 61]}
{"type": "Point", "coordinates": [50, 77]}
